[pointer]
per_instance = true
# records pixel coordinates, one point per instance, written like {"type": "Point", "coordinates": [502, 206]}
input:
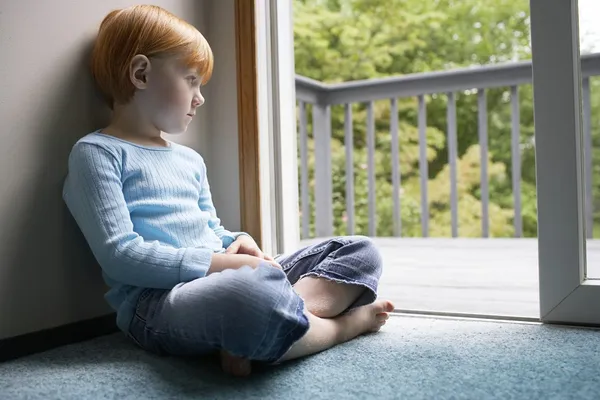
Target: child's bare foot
{"type": "Point", "coordinates": [236, 366]}
{"type": "Point", "coordinates": [368, 318]}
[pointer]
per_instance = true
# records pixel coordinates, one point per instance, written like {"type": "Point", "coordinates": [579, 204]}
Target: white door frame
{"type": "Point", "coordinates": [277, 125]}
{"type": "Point", "coordinates": [566, 295]}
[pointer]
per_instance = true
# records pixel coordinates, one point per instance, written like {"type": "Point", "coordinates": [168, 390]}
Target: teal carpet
{"type": "Point", "coordinates": [412, 358]}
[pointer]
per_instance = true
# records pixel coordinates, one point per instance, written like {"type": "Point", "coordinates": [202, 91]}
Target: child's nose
{"type": "Point", "coordinates": [198, 101]}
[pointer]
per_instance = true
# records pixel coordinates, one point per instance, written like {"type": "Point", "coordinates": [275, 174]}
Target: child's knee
{"type": "Point", "coordinates": [366, 251]}
{"type": "Point", "coordinates": [259, 307]}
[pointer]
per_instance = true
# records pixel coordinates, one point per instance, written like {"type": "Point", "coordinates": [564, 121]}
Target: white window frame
{"type": "Point", "coordinates": [566, 295]}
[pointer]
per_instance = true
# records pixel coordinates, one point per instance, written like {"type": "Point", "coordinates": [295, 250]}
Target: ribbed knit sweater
{"type": "Point", "coordinates": [146, 213]}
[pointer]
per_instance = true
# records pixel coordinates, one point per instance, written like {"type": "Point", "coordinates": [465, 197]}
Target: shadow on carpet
{"type": "Point", "coordinates": [411, 358]}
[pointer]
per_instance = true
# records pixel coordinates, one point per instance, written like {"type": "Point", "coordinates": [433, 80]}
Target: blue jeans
{"type": "Point", "coordinates": [251, 313]}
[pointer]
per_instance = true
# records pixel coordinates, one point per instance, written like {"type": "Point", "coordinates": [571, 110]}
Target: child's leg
{"type": "Point", "coordinates": [325, 333]}
{"type": "Point", "coordinates": [332, 277]}
{"type": "Point", "coordinates": [335, 275]}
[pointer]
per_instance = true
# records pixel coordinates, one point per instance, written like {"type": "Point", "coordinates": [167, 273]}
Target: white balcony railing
{"type": "Point", "coordinates": [323, 96]}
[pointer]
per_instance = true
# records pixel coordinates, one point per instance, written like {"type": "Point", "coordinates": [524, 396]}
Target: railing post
{"type": "Point", "coordinates": [304, 171]}
{"type": "Point", "coordinates": [516, 159]}
{"type": "Point", "coordinates": [452, 157]}
{"type": "Point", "coordinates": [349, 146]}
{"type": "Point", "coordinates": [323, 186]}
{"type": "Point", "coordinates": [396, 173]}
{"type": "Point", "coordinates": [483, 144]}
{"type": "Point", "coordinates": [371, 168]}
{"type": "Point", "coordinates": [423, 166]}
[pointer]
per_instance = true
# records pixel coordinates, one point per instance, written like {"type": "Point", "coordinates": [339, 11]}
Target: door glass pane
{"type": "Point", "coordinates": [589, 39]}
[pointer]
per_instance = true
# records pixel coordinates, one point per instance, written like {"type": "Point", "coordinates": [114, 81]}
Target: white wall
{"type": "Point", "coordinates": [48, 277]}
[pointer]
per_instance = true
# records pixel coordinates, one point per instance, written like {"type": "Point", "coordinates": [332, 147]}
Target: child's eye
{"type": "Point", "coordinates": [192, 79]}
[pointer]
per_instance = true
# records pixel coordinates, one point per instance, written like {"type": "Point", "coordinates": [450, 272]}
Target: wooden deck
{"type": "Point", "coordinates": [473, 276]}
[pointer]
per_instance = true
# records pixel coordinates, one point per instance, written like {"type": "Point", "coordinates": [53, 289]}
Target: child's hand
{"type": "Point", "coordinates": [243, 251]}
{"type": "Point", "coordinates": [254, 261]}
{"type": "Point", "coordinates": [246, 245]}
{"type": "Point", "coordinates": [221, 262]}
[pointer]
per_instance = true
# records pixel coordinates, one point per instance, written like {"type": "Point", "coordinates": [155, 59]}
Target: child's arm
{"type": "Point", "coordinates": [206, 204]}
{"type": "Point", "coordinates": [93, 194]}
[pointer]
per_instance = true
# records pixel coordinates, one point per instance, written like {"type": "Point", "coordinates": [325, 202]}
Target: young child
{"type": "Point", "coordinates": [180, 283]}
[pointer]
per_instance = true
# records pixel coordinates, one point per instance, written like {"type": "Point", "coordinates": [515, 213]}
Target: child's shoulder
{"type": "Point", "coordinates": [94, 141]}
{"type": "Point", "coordinates": [99, 139]}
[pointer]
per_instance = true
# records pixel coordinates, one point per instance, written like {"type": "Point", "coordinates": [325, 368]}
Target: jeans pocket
{"type": "Point", "coordinates": [147, 302]}
{"type": "Point", "coordinates": [142, 336]}
{"type": "Point", "coordinates": [138, 327]}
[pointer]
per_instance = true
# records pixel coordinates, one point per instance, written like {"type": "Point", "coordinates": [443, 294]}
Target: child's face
{"type": "Point", "coordinates": [171, 95]}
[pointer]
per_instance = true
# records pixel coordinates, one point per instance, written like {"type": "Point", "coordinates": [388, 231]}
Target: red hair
{"type": "Point", "coordinates": [148, 30]}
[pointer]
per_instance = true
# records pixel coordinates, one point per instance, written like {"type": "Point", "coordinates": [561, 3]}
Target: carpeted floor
{"type": "Point", "coordinates": [412, 358]}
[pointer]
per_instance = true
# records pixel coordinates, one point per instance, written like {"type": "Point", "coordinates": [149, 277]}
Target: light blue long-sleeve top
{"type": "Point", "coordinates": [146, 213]}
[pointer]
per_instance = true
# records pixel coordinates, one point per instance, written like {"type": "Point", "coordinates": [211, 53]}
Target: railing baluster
{"type": "Point", "coordinates": [304, 171]}
{"type": "Point", "coordinates": [516, 159]}
{"type": "Point", "coordinates": [395, 167]}
{"type": "Point", "coordinates": [452, 157]}
{"type": "Point", "coordinates": [587, 158]}
{"type": "Point", "coordinates": [371, 168]}
{"type": "Point", "coordinates": [349, 143]}
{"type": "Point", "coordinates": [423, 167]}
{"type": "Point", "coordinates": [483, 143]}
{"type": "Point", "coordinates": [323, 189]}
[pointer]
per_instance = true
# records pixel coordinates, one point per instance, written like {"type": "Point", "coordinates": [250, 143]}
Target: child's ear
{"type": "Point", "coordinates": [138, 71]}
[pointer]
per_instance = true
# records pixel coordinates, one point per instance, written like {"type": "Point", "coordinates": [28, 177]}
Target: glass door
{"type": "Point", "coordinates": [566, 293]}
